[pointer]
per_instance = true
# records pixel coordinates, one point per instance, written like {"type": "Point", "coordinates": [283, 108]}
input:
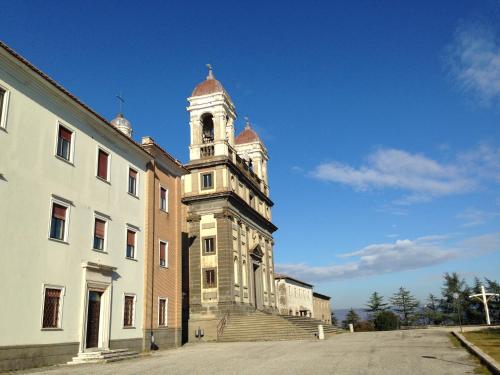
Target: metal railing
{"type": "Point", "coordinates": [222, 324]}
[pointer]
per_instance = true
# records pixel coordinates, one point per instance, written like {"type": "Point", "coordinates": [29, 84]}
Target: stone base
{"type": "Point", "coordinates": [164, 338]}
{"type": "Point", "coordinates": [20, 357]}
{"type": "Point", "coordinates": [129, 344]}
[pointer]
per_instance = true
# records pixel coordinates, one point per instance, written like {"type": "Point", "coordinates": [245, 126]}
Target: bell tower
{"type": "Point", "coordinates": [211, 119]}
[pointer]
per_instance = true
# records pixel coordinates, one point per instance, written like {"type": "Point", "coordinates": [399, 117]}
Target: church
{"type": "Point", "coordinates": [229, 260]}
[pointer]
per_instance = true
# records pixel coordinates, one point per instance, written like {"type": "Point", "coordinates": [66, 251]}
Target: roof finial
{"type": "Point", "coordinates": [210, 72]}
{"type": "Point", "coordinates": [120, 103]}
{"type": "Point", "coordinates": [247, 123]}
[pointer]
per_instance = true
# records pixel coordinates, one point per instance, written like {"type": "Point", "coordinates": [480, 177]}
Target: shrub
{"type": "Point", "coordinates": [364, 326]}
{"type": "Point", "coordinates": [386, 321]}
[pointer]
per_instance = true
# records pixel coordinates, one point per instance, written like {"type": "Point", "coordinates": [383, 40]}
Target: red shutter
{"type": "Point", "coordinates": [163, 193]}
{"type": "Point", "coordinates": [162, 251]}
{"type": "Point", "coordinates": [65, 133]}
{"type": "Point", "coordinates": [100, 225]}
{"type": "Point", "coordinates": [102, 166]}
{"type": "Point", "coordinates": [58, 211]}
{"type": "Point", "coordinates": [53, 293]}
{"type": "Point", "coordinates": [132, 173]}
{"type": "Point", "coordinates": [130, 238]}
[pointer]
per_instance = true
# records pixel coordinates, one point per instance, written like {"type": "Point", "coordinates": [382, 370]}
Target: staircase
{"type": "Point", "coordinates": [259, 326]}
{"type": "Point", "coordinates": [311, 325]}
{"type": "Point", "coordinates": [103, 356]}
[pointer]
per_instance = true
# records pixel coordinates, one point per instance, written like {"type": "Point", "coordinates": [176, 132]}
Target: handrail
{"type": "Point", "coordinates": [222, 324]}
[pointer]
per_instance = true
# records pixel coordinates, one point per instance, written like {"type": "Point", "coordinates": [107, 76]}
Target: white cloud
{"type": "Point", "coordinates": [472, 217]}
{"type": "Point", "coordinates": [422, 177]}
{"type": "Point", "coordinates": [474, 61]}
{"type": "Point", "coordinates": [401, 255]}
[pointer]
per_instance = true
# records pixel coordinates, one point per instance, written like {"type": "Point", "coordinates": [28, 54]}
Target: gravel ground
{"type": "Point", "coordinates": [398, 352]}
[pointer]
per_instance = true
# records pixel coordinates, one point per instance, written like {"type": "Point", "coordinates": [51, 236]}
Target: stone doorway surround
{"type": "Point", "coordinates": [96, 278]}
{"type": "Point", "coordinates": [257, 288]}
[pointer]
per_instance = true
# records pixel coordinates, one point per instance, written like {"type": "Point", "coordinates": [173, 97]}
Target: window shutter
{"type": "Point", "coordinates": [59, 212]}
{"type": "Point", "coordinates": [65, 133]}
{"type": "Point", "coordinates": [55, 293]}
{"type": "Point", "coordinates": [100, 225]}
{"type": "Point", "coordinates": [102, 166]}
{"type": "Point", "coordinates": [163, 193]}
{"type": "Point", "coordinates": [130, 238]}
{"type": "Point", "coordinates": [132, 173]}
{"type": "Point", "coordinates": [162, 251]}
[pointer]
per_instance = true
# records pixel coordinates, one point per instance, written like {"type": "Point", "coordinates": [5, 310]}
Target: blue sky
{"type": "Point", "coordinates": [381, 118]}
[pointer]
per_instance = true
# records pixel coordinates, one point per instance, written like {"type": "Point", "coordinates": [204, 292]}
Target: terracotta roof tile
{"type": "Point", "coordinates": [247, 136]}
{"type": "Point", "coordinates": [208, 86]}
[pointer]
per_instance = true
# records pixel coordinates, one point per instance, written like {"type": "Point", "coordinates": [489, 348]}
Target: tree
{"type": "Point", "coordinates": [375, 305]}
{"type": "Point", "coordinates": [386, 321]}
{"type": "Point", "coordinates": [351, 318]}
{"type": "Point", "coordinates": [449, 306]}
{"type": "Point", "coordinates": [334, 319]}
{"type": "Point", "coordinates": [493, 286]}
{"type": "Point", "coordinates": [405, 305]}
{"type": "Point", "coordinates": [432, 313]}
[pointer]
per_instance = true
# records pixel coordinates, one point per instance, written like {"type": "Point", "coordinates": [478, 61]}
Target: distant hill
{"type": "Point", "coordinates": [341, 314]}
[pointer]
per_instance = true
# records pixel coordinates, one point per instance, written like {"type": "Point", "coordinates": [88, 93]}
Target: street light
{"type": "Point", "coordinates": [456, 296]}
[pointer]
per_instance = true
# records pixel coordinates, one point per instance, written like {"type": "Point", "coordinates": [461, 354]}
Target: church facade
{"type": "Point", "coordinates": [230, 262]}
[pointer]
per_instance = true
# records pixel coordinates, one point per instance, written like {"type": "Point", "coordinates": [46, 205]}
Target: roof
{"type": "Point", "coordinates": [248, 135]}
{"type": "Point", "coordinates": [208, 86]}
{"type": "Point", "coordinates": [59, 87]}
{"type": "Point", "coordinates": [283, 276]}
{"type": "Point", "coordinates": [322, 296]}
{"type": "Point", "coordinates": [150, 142]}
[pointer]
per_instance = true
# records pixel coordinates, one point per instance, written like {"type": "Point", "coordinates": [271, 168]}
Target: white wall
{"type": "Point", "coordinates": [31, 175]}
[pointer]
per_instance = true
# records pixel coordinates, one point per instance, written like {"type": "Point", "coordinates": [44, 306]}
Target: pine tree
{"type": "Point", "coordinates": [334, 319]}
{"type": "Point", "coordinates": [492, 286]}
{"type": "Point", "coordinates": [351, 318]}
{"type": "Point", "coordinates": [434, 316]}
{"type": "Point", "coordinates": [405, 305]}
{"type": "Point", "coordinates": [375, 305]}
{"type": "Point", "coordinates": [449, 306]}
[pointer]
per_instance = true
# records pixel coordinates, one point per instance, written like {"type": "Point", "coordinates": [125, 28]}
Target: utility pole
{"type": "Point", "coordinates": [484, 298]}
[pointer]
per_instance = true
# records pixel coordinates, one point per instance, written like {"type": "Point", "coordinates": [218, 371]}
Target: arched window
{"type": "Point", "coordinates": [236, 270]}
{"type": "Point", "coordinates": [244, 273]}
{"type": "Point", "coordinates": [207, 128]}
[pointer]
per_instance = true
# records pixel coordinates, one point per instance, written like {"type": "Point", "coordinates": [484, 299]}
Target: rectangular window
{"type": "Point", "coordinates": [58, 222]}
{"type": "Point", "coordinates": [99, 233]}
{"type": "Point", "coordinates": [4, 97]}
{"type": "Point", "coordinates": [51, 308]}
{"type": "Point", "coordinates": [209, 245]}
{"type": "Point", "coordinates": [252, 199]}
{"type": "Point", "coordinates": [130, 244]}
{"type": "Point", "coordinates": [162, 312]}
{"type": "Point", "coordinates": [210, 278]}
{"type": "Point", "coordinates": [64, 143]}
{"type": "Point", "coordinates": [207, 180]}
{"type": "Point", "coordinates": [128, 311]}
{"type": "Point", "coordinates": [102, 164]}
{"type": "Point", "coordinates": [163, 253]}
{"type": "Point", "coordinates": [132, 181]}
{"type": "Point", "coordinates": [163, 199]}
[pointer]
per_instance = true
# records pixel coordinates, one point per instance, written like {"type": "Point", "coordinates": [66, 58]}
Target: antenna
{"type": "Point", "coordinates": [121, 101]}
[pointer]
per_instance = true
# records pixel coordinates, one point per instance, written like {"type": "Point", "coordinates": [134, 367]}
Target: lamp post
{"type": "Point", "coordinates": [456, 296]}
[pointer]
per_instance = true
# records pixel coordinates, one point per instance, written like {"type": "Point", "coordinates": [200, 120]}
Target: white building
{"type": "Point", "coordinates": [294, 297]}
{"type": "Point", "coordinates": [72, 210]}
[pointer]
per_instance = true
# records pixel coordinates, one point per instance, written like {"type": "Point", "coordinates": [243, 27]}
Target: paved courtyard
{"type": "Point", "coordinates": [398, 352]}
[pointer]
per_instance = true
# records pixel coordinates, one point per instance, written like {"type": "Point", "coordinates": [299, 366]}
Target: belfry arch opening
{"type": "Point", "coordinates": [207, 128]}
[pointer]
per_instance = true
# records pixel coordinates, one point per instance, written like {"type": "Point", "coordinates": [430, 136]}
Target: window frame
{"type": "Point", "coordinates": [108, 170]}
{"type": "Point", "coordinates": [212, 179]}
{"type": "Point", "coordinates": [131, 229]}
{"type": "Point", "coordinates": [166, 253]}
{"type": "Point", "coordinates": [105, 239]}
{"type": "Point", "coordinates": [134, 310]}
{"type": "Point", "coordinates": [164, 209]}
{"type": "Point", "coordinates": [71, 144]}
{"type": "Point", "coordinates": [5, 107]}
{"type": "Point", "coordinates": [136, 194]}
{"type": "Point", "coordinates": [204, 248]}
{"type": "Point", "coordinates": [60, 311]}
{"type": "Point", "coordinates": [165, 317]}
{"type": "Point", "coordinates": [59, 202]}
{"type": "Point", "coordinates": [206, 285]}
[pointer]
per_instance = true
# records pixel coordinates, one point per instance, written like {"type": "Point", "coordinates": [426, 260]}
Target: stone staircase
{"type": "Point", "coordinates": [259, 326]}
{"type": "Point", "coordinates": [103, 356]}
{"type": "Point", "coordinates": [311, 325]}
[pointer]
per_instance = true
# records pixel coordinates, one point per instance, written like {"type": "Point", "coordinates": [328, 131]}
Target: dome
{"type": "Point", "coordinates": [209, 86]}
{"type": "Point", "coordinates": [248, 135]}
{"type": "Point", "coordinates": [122, 124]}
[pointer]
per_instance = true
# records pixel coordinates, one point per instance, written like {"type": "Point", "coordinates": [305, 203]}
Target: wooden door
{"type": "Point", "coordinates": [93, 317]}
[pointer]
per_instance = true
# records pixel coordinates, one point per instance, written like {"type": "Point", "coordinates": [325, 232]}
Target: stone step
{"type": "Point", "coordinates": [103, 356]}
